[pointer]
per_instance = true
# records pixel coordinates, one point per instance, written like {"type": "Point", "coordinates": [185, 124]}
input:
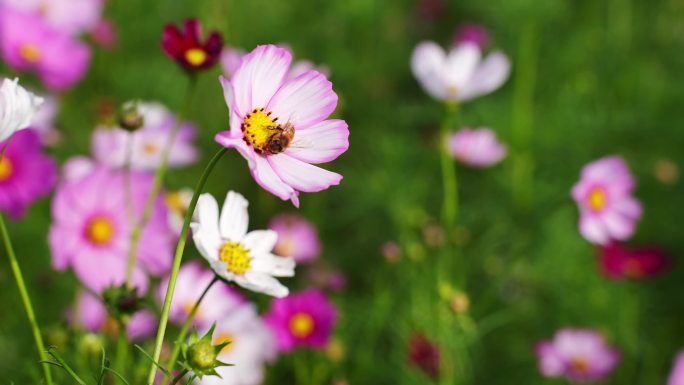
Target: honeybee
{"type": "Point", "coordinates": [281, 139]}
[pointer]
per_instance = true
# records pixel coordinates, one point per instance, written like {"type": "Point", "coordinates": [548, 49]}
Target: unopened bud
{"type": "Point", "coordinates": [130, 118]}
{"type": "Point", "coordinates": [202, 355]}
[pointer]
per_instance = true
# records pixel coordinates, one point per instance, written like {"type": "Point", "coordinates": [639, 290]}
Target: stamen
{"type": "Point", "coordinates": [236, 257]}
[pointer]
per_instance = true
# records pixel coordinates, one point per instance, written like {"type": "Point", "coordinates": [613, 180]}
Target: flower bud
{"type": "Point", "coordinates": [130, 118]}
{"type": "Point", "coordinates": [202, 355]}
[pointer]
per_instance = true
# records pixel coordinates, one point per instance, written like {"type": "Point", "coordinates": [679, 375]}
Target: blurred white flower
{"type": "Point", "coordinates": [17, 107]}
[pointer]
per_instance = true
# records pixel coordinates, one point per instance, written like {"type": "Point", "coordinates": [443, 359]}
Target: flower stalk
{"type": "Point", "coordinates": [26, 300]}
{"type": "Point", "coordinates": [163, 321]}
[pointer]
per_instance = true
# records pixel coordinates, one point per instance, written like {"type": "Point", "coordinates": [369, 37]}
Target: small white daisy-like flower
{"type": "Point", "coordinates": [234, 254]}
{"type": "Point", "coordinates": [17, 107]}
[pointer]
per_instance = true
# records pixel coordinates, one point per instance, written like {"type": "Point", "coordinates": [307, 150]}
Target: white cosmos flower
{"type": "Point", "coordinates": [460, 74]}
{"type": "Point", "coordinates": [17, 107]}
{"type": "Point", "coordinates": [235, 254]}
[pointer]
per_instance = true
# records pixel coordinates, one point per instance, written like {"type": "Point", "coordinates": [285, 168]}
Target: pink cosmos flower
{"type": "Point", "coordinates": [608, 211]}
{"type": "Point", "coordinates": [472, 33]}
{"type": "Point", "coordinates": [458, 75]}
{"type": "Point", "coordinates": [192, 280]}
{"type": "Point", "coordinates": [297, 237]}
{"type": "Point", "coordinates": [302, 319]}
{"type": "Point", "coordinates": [91, 229]}
{"type": "Point", "coordinates": [26, 173]}
{"type": "Point", "coordinates": [677, 374]}
{"type": "Point", "coordinates": [232, 57]}
{"type": "Point", "coordinates": [476, 147]}
{"type": "Point", "coordinates": [280, 125]}
{"type": "Point", "coordinates": [619, 262]}
{"type": "Point", "coordinates": [104, 34]}
{"type": "Point", "coordinates": [578, 355]}
{"type": "Point", "coordinates": [69, 16]}
{"type": "Point", "coordinates": [145, 146]}
{"type": "Point", "coordinates": [90, 314]}
{"type": "Point", "coordinates": [27, 43]}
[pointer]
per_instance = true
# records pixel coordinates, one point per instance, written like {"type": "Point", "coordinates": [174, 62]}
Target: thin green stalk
{"type": "Point", "coordinates": [122, 349]}
{"type": "Point", "coordinates": [136, 233]}
{"type": "Point", "coordinates": [26, 300]}
{"type": "Point", "coordinates": [179, 377]}
{"type": "Point", "coordinates": [186, 326]}
{"type": "Point", "coordinates": [449, 182]}
{"type": "Point", "coordinates": [177, 262]}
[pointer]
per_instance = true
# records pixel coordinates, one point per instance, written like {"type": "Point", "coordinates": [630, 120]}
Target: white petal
{"type": "Point", "coordinates": [260, 241]}
{"type": "Point", "coordinates": [460, 65]}
{"type": "Point", "coordinates": [206, 230]}
{"type": "Point", "coordinates": [488, 77]}
{"type": "Point", "coordinates": [234, 217]}
{"type": "Point", "coordinates": [274, 265]}
{"type": "Point", "coordinates": [427, 63]}
{"type": "Point", "coordinates": [262, 283]}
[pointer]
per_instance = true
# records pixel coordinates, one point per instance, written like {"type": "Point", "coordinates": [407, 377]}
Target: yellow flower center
{"type": "Point", "coordinates": [301, 325]}
{"type": "Point", "coordinates": [196, 56]}
{"type": "Point", "coordinates": [6, 168]}
{"type": "Point", "coordinates": [29, 52]}
{"type": "Point", "coordinates": [225, 337]}
{"type": "Point", "coordinates": [100, 231]}
{"type": "Point", "coordinates": [579, 365]}
{"type": "Point", "coordinates": [258, 129]}
{"type": "Point", "coordinates": [597, 199]}
{"type": "Point", "coordinates": [149, 148]}
{"type": "Point", "coordinates": [236, 257]}
{"type": "Point", "coordinates": [174, 201]}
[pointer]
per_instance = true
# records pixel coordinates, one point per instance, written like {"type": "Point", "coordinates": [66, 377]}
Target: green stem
{"type": "Point", "coordinates": [179, 376]}
{"type": "Point", "coordinates": [177, 261]}
{"type": "Point", "coordinates": [122, 349]}
{"type": "Point", "coordinates": [16, 271]}
{"type": "Point", "coordinates": [449, 182]}
{"type": "Point", "coordinates": [157, 183]}
{"type": "Point", "coordinates": [186, 326]}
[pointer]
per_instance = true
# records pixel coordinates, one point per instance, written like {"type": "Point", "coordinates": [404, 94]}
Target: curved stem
{"type": "Point", "coordinates": [26, 300]}
{"type": "Point", "coordinates": [186, 326]}
{"type": "Point", "coordinates": [157, 183]}
{"type": "Point", "coordinates": [177, 261]}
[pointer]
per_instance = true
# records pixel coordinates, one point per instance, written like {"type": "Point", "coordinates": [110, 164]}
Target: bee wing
{"type": "Point", "coordinates": [301, 143]}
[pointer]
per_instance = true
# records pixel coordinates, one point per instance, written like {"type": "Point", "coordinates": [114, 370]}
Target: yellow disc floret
{"type": "Point", "coordinates": [6, 168]}
{"type": "Point", "coordinates": [258, 128]}
{"type": "Point", "coordinates": [597, 199]}
{"type": "Point", "coordinates": [236, 257]}
{"type": "Point", "coordinates": [100, 230]}
{"type": "Point", "coordinates": [196, 56]}
{"type": "Point", "coordinates": [30, 53]}
{"type": "Point", "coordinates": [301, 325]}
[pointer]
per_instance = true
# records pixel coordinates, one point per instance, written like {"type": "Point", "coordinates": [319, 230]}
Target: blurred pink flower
{"type": "Point", "coordinates": [472, 33]}
{"type": "Point", "coordinates": [425, 355]}
{"type": "Point", "coordinates": [192, 281]}
{"type": "Point", "coordinates": [327, 278]}
{"type": "Point", "coordinates": [677, 373]}
{"type": "Point", "coordinates": [608, 211]}
{"type": "Point", "coordinates": [618, 262]}
{"type": "Point", "coordinates": [104, 34]}
{"type": "Point", "coordinates": [26, 173]}
{"type": "Point", "coordinates": [69, 16]}
{"type": "Point", "coordinates": [145, 146]}
{"type": "Point", "coordinates": [578, 355]}
{"type": "Point", "coordinates": [252, 345]}
{"type": "Point", "coordinates": [90, 314]}
{"type": "Point", "coordinates": [27, 43]}
{"type": "Point", "coordinates": [280, 125]}
{"type": "Point", "coordinates": [91, 229]}
{"type": "Point", "coordinates": [302, 319]}
{"type": "Point", "coordinates": [476, 147]}
{"type": "Point", "coordinates": [458, 75]}
{"type": "Point", "coordinates": [297, 238]}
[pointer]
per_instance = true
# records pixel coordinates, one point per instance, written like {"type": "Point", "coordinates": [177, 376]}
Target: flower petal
{"type": "Point", "coordinates": [320, 143]}
{"type": "Point", "coordinates": [305, 100]}
{"type": "Point", "coordinates": [228, 93]}
{"type": "Point", "coordinates": [302, 176]}
{"type": "Point", "coordinates": [593, 230]}
{"type": "Point", "coordinates": [259, 76]}
{"type": "Point", "coordinates": [267, 178]}
{"type": "Point", "coordinates": [427, 62]}
{"type": "Point", "coordinates": [274, 265]}
{"type": "Point", "coordinates": [229, 139]}
{"type": "Point", "coordinates": [206, 230]}
{"type": "Point", "coordinates": [262, 283]}
{"type": "Point", "coordinates": [234, 217]}
{"type": "Point", "coordinates": [488, 77]}
{"type": "Point", "coordinates": [260, 242]}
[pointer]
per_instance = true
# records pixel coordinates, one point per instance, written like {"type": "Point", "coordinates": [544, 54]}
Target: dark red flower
{"type": "Point", "coordinates": [424, 355]}
{"type": "Point", "coordinates": [187, 49]}
{"type": "Point", "coordinates": [618, 262]}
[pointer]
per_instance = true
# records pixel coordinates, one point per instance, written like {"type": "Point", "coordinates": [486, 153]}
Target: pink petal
{"type": "Point", "coordinates": [303, 176]}
{"type": "Point", "coordinates": [266, 177]}
{"type": "Point", "coordinates": [228, 93]}
{"type": "Point", "coordinates": [321, 143]}
{"type": "Point", "coordinates": [593, 230]}
{"type": "Point", "coordinates": [259, 76]}
{"type": "Point", "coordinates": [230, 140]}
{"type": "Point", "coordinates": [305, 100]}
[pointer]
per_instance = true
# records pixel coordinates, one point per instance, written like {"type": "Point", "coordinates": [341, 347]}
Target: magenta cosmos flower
{"type": "Point", "coordinates": [302, 319]}
{"type": "Point", "coordinates": [26, 173]}
{"type": "Point", "coordinates": [608, 211]}
{"type": "Point", "coordinates": [69, 16]}
{"type": "Point", "coordinates": [187, 48]}
{"type": "Point", "coordinates": [28, 43]}
{"type": "Point", "coordinates": [280, 125]}
{"type": "Point", "coordinates": [297, 237]}
{"type": "Point", "coordinates": [91, 229]}
{"type": "Point", "coordinates": [90, 313]}
{"type": "Point", "coordinates": [144, 148]}
{"type": "Point", "coordinates": [677, 374]}
{"type": "Point", "coordinates": [193, 279]}
{"type": "Point", "coordinates": [578, 355]}
{"type": "Point", "coordinates": [619, 262]}
{"type": "Point", "coordinates": [476, 147]}
{"type": "Point", "coordinates": [458, 75]}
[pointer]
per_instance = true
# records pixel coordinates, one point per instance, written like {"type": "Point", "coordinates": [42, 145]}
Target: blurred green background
{"type": "Point", "coordinates": [590, 78]}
